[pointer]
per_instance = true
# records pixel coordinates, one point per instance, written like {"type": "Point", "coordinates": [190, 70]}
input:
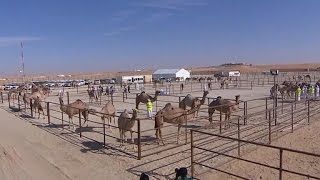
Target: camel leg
{"type": "Point", "coordinates": [226, 120]}
{"type": "Point", "coordinates": [43, 114]}
{"type": "Point", "coordinates": [120, 133]}
{"type": "Point", "coordinates": [134, 147]}
{"type": "Point", "coordinates": [178, 139]}
{"type": "Point", "coordinates": [160, 134]}
{"type": "Point", "coordinates": [157, 136]}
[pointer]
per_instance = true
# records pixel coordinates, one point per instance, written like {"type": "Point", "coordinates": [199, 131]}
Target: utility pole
{"type": "Point", "coordinates": [22, 62]}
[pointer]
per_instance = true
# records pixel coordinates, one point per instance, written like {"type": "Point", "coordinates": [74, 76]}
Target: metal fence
{"type": "Point", "coordinates": [214, 149]}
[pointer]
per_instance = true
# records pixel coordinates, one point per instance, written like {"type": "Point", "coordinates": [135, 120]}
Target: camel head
{"type": "Point", "coordinates": [237, 98]}
{"type": "Point", "coordinates": [157, 93]}
{"type": "Point", "coordinates": [61, 100]}
{"type": "Point", "coordinates": [205, 93]}
{"type": "Point", "coordinates": [219, 97]}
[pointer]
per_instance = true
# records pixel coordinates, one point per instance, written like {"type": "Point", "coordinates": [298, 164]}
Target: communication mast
{"type": "Point", "coordinates": [22, 61]}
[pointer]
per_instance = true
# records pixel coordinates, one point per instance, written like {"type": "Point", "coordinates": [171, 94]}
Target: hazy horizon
{"type": "Point", "coordinates": [117, 35]}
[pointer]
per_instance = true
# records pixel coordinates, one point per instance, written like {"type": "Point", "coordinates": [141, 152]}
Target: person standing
{"type": "Point", "coordinates": [129, 88]}
{"type": "Point", "coordinates": [298, 93]}
{"type": "Point", "coordinates": [149, 109]}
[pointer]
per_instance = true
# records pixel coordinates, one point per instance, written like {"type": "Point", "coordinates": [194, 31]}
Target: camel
{"type": "Point", "coordinates": [224, 106]}
{"type": "Point", "coordinates": [92, 95]}
{"type": "Point", "coordinates": [143, 98]}
{"type": "Point", "coordinates": [125, 123]}
{"type": "Point", "coordinates": [37, 105]}
{"type": "Point", "coordinates": [73, 109]}
{"type": "Point", "coordinates": [173, 115]}
{"type": "Point", "coordinates": [189, 100]}
{"type": "Point", "coordinates": [274, 90]}
{"type": "Point", "coordinates": [108, 111]}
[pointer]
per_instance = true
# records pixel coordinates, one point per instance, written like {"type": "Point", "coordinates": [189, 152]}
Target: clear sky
{"type": "Point", "coordinates": [101, 35]}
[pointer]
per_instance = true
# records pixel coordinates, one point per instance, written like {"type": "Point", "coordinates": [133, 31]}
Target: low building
{"type": "Point", "coordinates": [171, 74]}
{"type": "Point", "coordinates": [227, 74]}
{"type": "Point", "coordinates": [130, 79]}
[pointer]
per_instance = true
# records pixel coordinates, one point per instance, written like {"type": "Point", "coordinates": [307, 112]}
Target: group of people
{"type": "Point", "coordinates": [308, 91]}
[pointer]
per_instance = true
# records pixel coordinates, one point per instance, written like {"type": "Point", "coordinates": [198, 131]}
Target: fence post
{"type": "Point", "coordinates": [251, 85]}
{"type": "Point", "coordinates": [104, 134]}
{"type": "Point", "coordinates": [220, 120]}
{"type": "Point", "coordinates": [308, 111]}
{"type": "Point", "coordinates": [19, 106]}
{"type": "Point", "coordinates": [1, 97]}
{"type": "Point", "coordinates": [9, 100]}
{"type": "Point", "coordinates": [123, 96]}
{"type": "Point", "coordinates": [282, 105]}
{"type": "Point", "coordinates": [100, 98]}
{"type": "Point", "coordinates": [244, 113]}
{"type": "Point", "coordinates": [31, 107]}
{"type": "Point", "coordinates": [266, 108]}
{"type": "Point", "coordinates": [291, 117]}
{"type": "Point", "coordinates": [62, 119]}
{"type": "Point", "coordinates": [280, 168]}
{"type": "Point", "coordinates": [139, 140]}
{"type": "Point", "coordinates": [269, 120]}
{"type": "Point", "coordinates": [68, 98]}
{"type": "Point", "coordinates": [192, 166]}
{"type": "Point", "coordinates": [48, 112]}
{"type": "Point", "coordinates": [179, 99]}
{"type": "Point", "coordinates": [80, 123]}
{"type": "Point", "coordinates": [239, 136]}
{"type": "Point", "coordinates": [186, 129]}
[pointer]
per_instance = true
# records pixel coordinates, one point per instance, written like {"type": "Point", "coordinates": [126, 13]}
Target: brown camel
{"type": "Point", "coordinates": [108, 111]}
{"type": "Point", "coordinates": [92, 96]}
{"type": "Point", "coordinates": [173, 115]}
{"type": "Point", "coordinates": [189, 100]}
{"type": "Point", "coordinates": [274, 90]}
{"type": "Point", "coordinates": [38, 105]}
{"type": "Point", "coordinates": [143, 98]}
{"type": "Point", "coordinates": [73, 109]}
{"type": "Point", "coordinates": [224, 106]}
{"type": "Point", "coordinates": [125, 123]}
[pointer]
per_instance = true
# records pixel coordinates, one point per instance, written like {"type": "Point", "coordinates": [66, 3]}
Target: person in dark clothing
{"type": "Point", "coordinates": [144, 176]}
{"type": "Point", "coordinates": [129, 88]}
{"type": "Point", "coordinates": [181, 86]}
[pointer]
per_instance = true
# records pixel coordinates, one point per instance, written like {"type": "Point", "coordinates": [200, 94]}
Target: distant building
{"type": "Point", "coordinates": [171, 74]}
{"type": "Point", "coordinates": [228, 74]}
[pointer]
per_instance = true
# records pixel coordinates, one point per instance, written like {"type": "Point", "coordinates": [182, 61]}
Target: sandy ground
{"type": "Point", "coordinates": [39, 150]}
{"type": "Point", "coordinates": [27, 152]}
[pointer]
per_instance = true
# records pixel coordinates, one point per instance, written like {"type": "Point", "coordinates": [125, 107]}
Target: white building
{"type": "Point", "coordinates": [170, 74]}
{"type": "Point", "coordinates": [130, 79]}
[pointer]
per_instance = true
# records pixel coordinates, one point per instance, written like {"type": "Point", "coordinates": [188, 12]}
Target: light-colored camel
{"type": "Point", "coordinates": [172, 115]}
{"type": "Point", "coordinates": [143, 98]}
{"type": "Point", "coordinates": [224, 106]}
{"type": "Point", "coordinates": [92, 95]}
{"type": "Point", "coordinates": [108, 112]}
{"type": "Point", "coordinates": [125, 123]}
{"type": "Point", "coordinates": [73, 109]}
{"type": "Point", "coordinates": [38, 105]}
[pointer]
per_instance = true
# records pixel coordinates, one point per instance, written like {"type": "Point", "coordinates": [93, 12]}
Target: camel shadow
{"type": "Point", "coordinates": [25, 116]}
{"type": "Point", "coordinates": [56, 126]}
{"type": "Point", "coordinates": [145, 139]}
{"type": "Point", "coordinates": [14, 109]}
{"type": "Point", "coordinates": [91, 146]}
{"type": "Point", "coordinates": [190, 126]}
{"type": "Point", "coordinates": [84, 129]}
